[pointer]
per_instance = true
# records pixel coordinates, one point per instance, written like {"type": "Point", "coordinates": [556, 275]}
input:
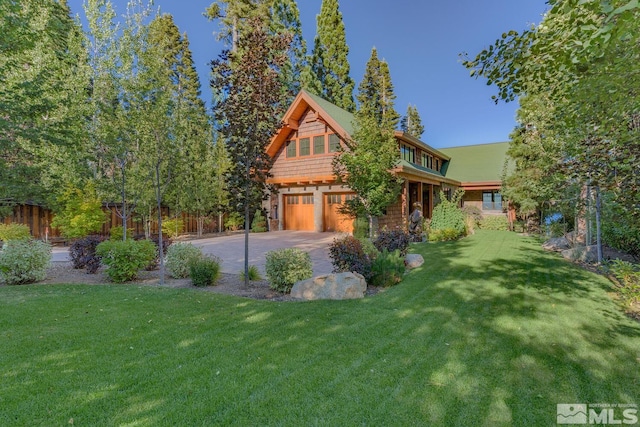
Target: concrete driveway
{"type": "Point", "coordinates": [230, 249]}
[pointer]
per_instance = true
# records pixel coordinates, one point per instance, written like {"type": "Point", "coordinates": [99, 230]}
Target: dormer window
{"type": "Point", "coordinates": [408, 153]}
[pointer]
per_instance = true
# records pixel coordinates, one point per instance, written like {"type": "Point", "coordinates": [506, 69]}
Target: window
{"type": "Point", "coordinates": [291, 148]}
{"type": "Point", "coordinates": [334, 143]}
{"type": "Point", "coordinates": [438, 165]}
{"type": "Point", "coordinates": [334, 199]}
{"type": "Point", "coordinates": [307, 200]}
{"type": "Point", "coordinates": [318, 144]}
{"type": "Point", "coordinates": [305, 147]}
{"type": "Point", "coordinates": [408, 153]}
{"type": "Point", "coordinates": [491, 201]}
{"type": "Point", "coordinates": [292, 200]}
{"type": "Point", "coordinates": [427, 161]}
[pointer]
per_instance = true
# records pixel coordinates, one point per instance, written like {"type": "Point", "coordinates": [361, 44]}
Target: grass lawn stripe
{"type": "Point", "coordinates": [489, 331]}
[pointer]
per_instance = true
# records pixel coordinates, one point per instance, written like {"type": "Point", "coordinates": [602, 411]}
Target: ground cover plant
{"type": "Point", "coordinates": [489, 331]}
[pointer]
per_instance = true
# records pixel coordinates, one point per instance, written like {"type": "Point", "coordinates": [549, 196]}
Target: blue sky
{"type": "Point", "coordinates": [419, 39]}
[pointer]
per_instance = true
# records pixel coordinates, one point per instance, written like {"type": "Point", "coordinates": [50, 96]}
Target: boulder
{"type": "Point", "coordinates": [331, 286]}
{"type": "Point", "coordinates": [556, 244]}
{"type": "Point", "coordinates": [587, 254]}
{"type": "Point", "coordinates": [413, 261]}
{"type": "Point", "coordinates": [576, 239]}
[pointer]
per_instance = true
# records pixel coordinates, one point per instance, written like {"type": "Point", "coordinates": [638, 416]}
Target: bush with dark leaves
{"type": "Point", "coordinates": [347, 254]}
{"type": "Point", "coordinates": [391, 240]}
{"type": "Point", "coordinates": [83, 253]}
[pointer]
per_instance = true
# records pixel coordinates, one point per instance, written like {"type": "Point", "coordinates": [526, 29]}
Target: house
{"type": "Point", "coordinates": [307, 195]}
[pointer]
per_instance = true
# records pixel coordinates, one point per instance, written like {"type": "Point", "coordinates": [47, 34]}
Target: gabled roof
{"type": "Point", "coordinates": [338, 119]}
{"type": "Point", "coordinates": [483, 163]}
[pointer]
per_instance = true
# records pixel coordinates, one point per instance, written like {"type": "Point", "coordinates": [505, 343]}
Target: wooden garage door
{"type": "Point", "coordinates": [298, 212]}
{"type": "Point", "coordinates": [333, 219]}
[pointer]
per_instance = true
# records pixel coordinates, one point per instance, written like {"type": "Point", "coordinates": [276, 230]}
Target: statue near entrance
{"type": "Point", "coordinates": [415, 223]}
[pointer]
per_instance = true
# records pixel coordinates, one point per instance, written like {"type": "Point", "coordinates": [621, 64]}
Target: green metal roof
{"type": "Point", "coordinates": [343, 117]}
{"type": "Point", "coordinates": [476, 163]}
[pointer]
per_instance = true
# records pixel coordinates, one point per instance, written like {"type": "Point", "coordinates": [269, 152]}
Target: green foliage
{"type": "Point", "coordinates": [179, 257]}
{"type": "Point", "coordinates": [117, 233]}
{"type": "Point", "coordinates": [629, 277]}
{"type": "Point", "coordinates": [360, 227]}
{"type": "Point", "coordinates": [14, 232]}
{"type": "Point", "coordinates": [83, 253]}
{"type": "Point", "coordinates": [443, 235]}
{"type": "Point", "coordinates": [329, 63]}
{"type": "Point", "coordinates": [448, 216]}
{"type": "Point", "coordinates": [375, 93]}
{"type": "Point", "coordinates": [366, 164]}
{"type": "Point", "coordinates": [24, 261]}
{"type": "Point", "coordinates": [620, 227]}
{"type": "Point", "coordinates": [172, 227]}
{"type": "Point", "coordinates": [495, 222]}
{"type": "Point", "coordinates": [254, 273]}
{"type": "Point", "coordinates": [387, 269]}
{"type": "Point", "coordinates": [348, 254]}
{"type": "Point", "coordinates": [204, 271]}
{"type": "Point", "coordinates": [473, 212]}
{"type": "Point", "coordinates": [125, 258]}
{"type": "Point", "coordinates": [80, 212]}
{"type": "Point", "coordinates": [392, 240]}
{"type": "Point", "coordinates": [411, 123]}
{"type": "Point", "coordinates": [259, 223]}
{"type": "Point", "coordinates": [285, 267]}
{"type": "Point", "coordinates": [234, 221]}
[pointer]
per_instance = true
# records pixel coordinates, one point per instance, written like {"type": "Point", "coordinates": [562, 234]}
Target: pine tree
{"type": "Point", "coordinates": [411, 122]}
{"type": "Point", "coordinates": [375, 93]}
{"type": "Point", "coordinates": [328, 75]}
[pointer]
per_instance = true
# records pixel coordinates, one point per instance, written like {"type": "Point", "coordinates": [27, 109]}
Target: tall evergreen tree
{"type": "Point", "coordinates": [375, 93]}
{"type": "Point", "coordinates": [411, 123]}
{"type": "Point", "coordinates": [250, 79]}
{"type": "Point", "coordinates": [43, 81]}
{"type": "Point", "coordinates": [328, 75]}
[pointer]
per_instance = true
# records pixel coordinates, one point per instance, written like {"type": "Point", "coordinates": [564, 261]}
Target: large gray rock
{"type": "Point", "coordinates": [556, 244]}
{"type": "Point", "coordinates": [588, 254]}
{"type": "Point", "coordinates": [331, 286]}
{"type": "Point", "coordinates": [413, 261]}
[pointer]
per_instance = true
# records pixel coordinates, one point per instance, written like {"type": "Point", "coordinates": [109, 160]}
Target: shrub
{"type": "Point", "coordinates": [495, 222]}
{"type": "Point", "coordinates": [629, 276]}
{"type": "Point", "coordinates": [347, 254]}
{"type": "Point", "coordinates": [473, 212]}
{"type": "Point", "coordinates": [166, 242]}
{"type": "Point", "coordinates": [80, 212]}
{"type": "Point", "coordinates": [10, 232]}
{"type": "Point", "coordinates": [285, 267]}
{"type": "Point", "coordinates": [254, 273]}
{"type": "Point", "coordinates": [361, 227]}
{"type": "Point", "coordinates": [125, 258]}
{"type": "Point", "coordinates": [24, 261]}
{"type": "Point", "coordinates": [623, 236]}
{"type": "Point", "coordinates": [234, 221]}
{"type": "Point", "coordinates": [83, 253]}
{"type": "Point", "coordinates": [391, 240]}
{"type": "Point", "coordinates": [444, 235]}
{"type": "Point", "coordinates": [446, 215]}
{"type": "Point", "coordinates": [172, 227]}
{"type": "Point", "coordinates": [115, 233]}
{"type": "Point", "coordinates": [369, 248]}
{"type": "Point", "coordinates": [259, 223]}
{"type": "Point", "coordinates": [469, 225]}
{"type": "Point", "coordinates": [387, 269]}
{"type": "Point", "coordinates": [179, 256]}
{"type": "Point", "coordinates": [204, 271]}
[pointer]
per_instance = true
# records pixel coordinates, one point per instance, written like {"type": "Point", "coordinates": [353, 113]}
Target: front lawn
{"type": "Point", "coordinates": [490, 331]}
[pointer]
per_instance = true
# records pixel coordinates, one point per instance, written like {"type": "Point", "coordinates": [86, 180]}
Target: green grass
{"type": "Point", "coordinates": [490, 331]}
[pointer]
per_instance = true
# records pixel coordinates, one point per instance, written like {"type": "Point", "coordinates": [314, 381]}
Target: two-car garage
{"type": "Point", "coordinates": [302, 212]}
